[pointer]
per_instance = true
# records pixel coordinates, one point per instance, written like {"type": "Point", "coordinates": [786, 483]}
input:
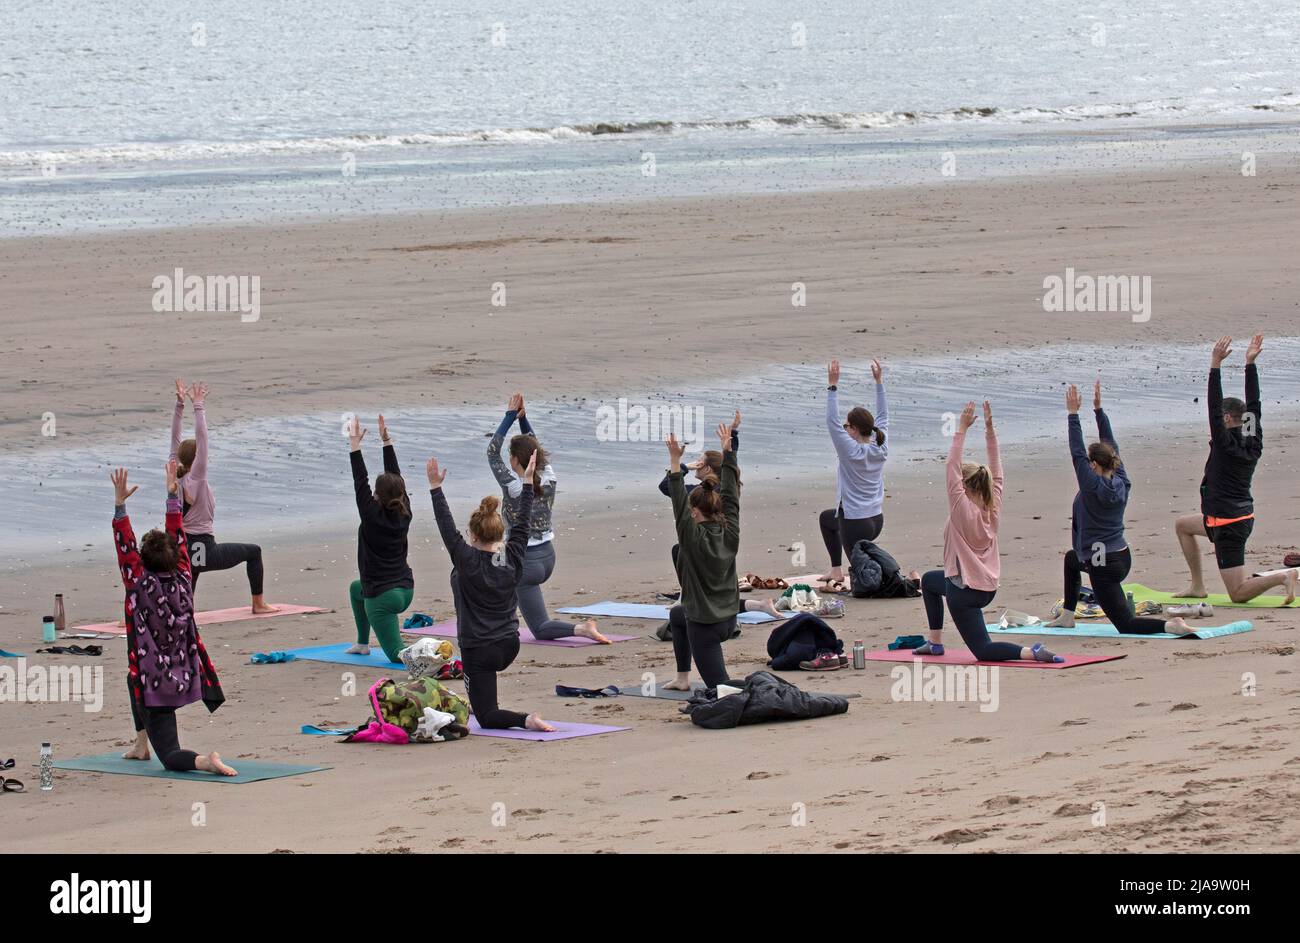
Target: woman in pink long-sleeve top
{"type": "Point", "coordinates": [200, 505]}
{"type": "Point", "coordinates": [971, 564]}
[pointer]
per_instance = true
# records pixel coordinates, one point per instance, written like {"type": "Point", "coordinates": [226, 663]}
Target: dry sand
{"type": "Point", "coordinates": [1165, 739]}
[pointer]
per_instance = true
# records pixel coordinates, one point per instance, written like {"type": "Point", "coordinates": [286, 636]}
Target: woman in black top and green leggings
{"type": "Point", "coordinates": [485, 578]}
{"type": "Point", "coordinates": [708, 533]}
{"type": "Point", "coordinates": [386, 586]}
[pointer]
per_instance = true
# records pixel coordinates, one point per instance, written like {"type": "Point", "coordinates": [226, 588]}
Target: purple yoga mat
{"type": "Point", "coordinates": [563, 731]}
{"type": "Point", "coordinates": [448, 630]}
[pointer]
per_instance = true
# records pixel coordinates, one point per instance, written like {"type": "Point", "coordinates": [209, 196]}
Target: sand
{"type": "Point", "coordinates": [1164, 742]}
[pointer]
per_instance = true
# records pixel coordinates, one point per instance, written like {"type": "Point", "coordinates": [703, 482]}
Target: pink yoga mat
{"type": "Point", "coordinates": [448, 630]}
{"type": "Point", "coordinates": [211, 617]}
{"type": "Point", "coordinates": [563, 731]}
{"type": "Point", "coordinates": [964, 657]}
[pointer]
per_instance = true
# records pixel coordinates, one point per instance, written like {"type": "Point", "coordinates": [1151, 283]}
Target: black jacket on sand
{"type": "Point", "coordinates": [483, 584]}
{"type": "Point", "coordinates": [381, 537]}
{"type": "Point", "coordinates": [764, 697]}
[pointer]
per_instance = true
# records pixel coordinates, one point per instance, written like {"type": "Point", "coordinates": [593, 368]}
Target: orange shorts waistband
{"type": "Point", "coordinates": [1224, 521]}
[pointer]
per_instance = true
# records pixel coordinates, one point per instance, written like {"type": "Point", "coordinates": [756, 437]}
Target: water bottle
{"type": "Point", "coordinates": [1132, 609]}
{"type": "Point", "coordinates": [859, 654]}
{"type": "Point", "coordinates": [47, 629]}
{"type": "Point", "coordinates": [60, 617]}
{"type": "Point", "coordinates": [47, 767]}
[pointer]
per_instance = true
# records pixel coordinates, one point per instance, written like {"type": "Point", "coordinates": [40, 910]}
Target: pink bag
{"type": "Point", "coordinates": [378, 731]}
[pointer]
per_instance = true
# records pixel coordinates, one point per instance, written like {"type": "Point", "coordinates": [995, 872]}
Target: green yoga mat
{"type": "Point", "coordinates": [1142, 593]}
{"type": "Point", "coordinates": [250, 771]}
{"type": "Point", "coordinates": [1106, 630]}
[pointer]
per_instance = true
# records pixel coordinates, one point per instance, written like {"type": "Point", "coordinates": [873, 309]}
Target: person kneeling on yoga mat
{"type": "Point", "coordinates": [708, 533]}
{"type": "Point", "coordinates": [485, 577]}
{"type": "Point", "coordinates": [860, 479]}
{"type": "Point", "coordinates": [1097, 527]}
{"type": "Point", "coordinates": [167, 664]}
{"type": "Point", "coordinates": [971, 565]}
{"type": "Point", "coordinates": [387, 584]}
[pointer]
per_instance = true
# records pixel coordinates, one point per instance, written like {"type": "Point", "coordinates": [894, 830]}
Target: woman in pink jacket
{"type": "Point", "coordinates": [971, 565]}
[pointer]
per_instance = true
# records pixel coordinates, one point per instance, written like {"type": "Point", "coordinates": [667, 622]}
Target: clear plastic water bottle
{"type": "Point", "coordinates": [47, 767]}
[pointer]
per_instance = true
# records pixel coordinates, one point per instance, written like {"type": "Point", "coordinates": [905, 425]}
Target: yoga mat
{"type": "Point", "coordinates": [964, 657]}
{"type": "Point", "coordinates": [563, 731]}
{"type": "Point", "coordinates": [1141, 593]}
{"type": "Point", "coordinates": [1105, 630]}
{"type": "Point", "coordinates": [447, 630]}
{"type": "Point", "coordinates": [250, 771]}
{"type": "Point", "coordinates": [634, 690]}
{"type": "Point", "coordinates": [336, 654]}
{"type": "Point", "coordinates": [211, 617]}
{"type": "Point", "coordinates": [325, 731]}
{"type": "Point", "coordinates": [641, 610]}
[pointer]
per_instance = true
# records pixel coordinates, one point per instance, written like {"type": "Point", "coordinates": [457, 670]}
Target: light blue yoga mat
{"type": "Point", "coordinates": [1106, 630]}
{"type": "Point", "coordinates": [250, 771]}
{"type": "Point", "coordinates": [337, 654]}
{"type": "Point", "coordinates": [641, 610]}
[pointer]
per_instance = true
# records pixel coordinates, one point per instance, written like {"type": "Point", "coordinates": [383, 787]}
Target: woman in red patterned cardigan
{"type": "Point", "coordinates": [168, 667]}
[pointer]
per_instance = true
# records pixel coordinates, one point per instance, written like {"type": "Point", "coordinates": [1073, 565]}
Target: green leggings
{"type": "Point", "coordinates": [380, 613]}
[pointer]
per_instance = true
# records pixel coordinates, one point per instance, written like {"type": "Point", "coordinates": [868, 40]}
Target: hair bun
{"type": "Point", "coordinates": [489, 505]}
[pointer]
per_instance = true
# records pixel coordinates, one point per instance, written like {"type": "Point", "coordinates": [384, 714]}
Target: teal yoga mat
{"type": "Point", "coordinates": [639, 610]}
{"type": "Point", "coordinates": [337, 654]}
{"type": "Point", "coordinates": [1106, 630]}
{"type": "Point", "coordinates": [250, 771]}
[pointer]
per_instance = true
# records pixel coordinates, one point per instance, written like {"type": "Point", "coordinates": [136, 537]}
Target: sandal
{"type": "Point", "coordinates": [12, 785]}
{"type": "Point", "coordinates": [835, 587]}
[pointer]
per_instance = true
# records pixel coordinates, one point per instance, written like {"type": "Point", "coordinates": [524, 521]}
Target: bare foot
{"type": "Point", "coordinates": [1193, 592]}
{"type": "Point", "coordinates": [1064, 621]}
{"type": "Point", "coordinates": [1292, 578]}
{"type": "Point", "coordinates": [678, 684]}
{"type": "Point", "coordinates": [140, 751]}
{"type": "Point", "coordinates": [533, 722]}
{"type": "Point", "coordinates": [587, 629]}
{"type": "Point", "coordinates": [212, 764]}
{"type": "Point", "coordinates": [770, 608]}
{"type": "Point", "coordinates": [358, 649]}
{"type": "Point", "coordinates": [1178, 627]}
{"type": "Point", "coordinates": [260, 606]}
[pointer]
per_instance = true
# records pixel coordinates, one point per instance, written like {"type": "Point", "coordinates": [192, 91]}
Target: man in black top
{"type": "Point", "coordinates": [1227, 508]}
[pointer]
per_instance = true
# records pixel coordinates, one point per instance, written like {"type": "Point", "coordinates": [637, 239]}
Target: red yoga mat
{"type": "Point", "coordinates": [211, 617]}
{"type": "Point", "coordinates": [964, 657]}
{"type": "Point", "coordinates": [448, 630]}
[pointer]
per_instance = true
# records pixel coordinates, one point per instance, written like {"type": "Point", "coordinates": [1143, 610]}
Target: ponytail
{"type": "Point", "coordinates": [522, 448]}
{"type": "Point", "coordinates": [1104, 454]}
{"type": "Point", "coordinates": [860, 418]}
{"type": "Point", "coordinates": [390, 494]}
{"type": "Point", "coordinates": [979, 482]}
{"type": "Point", "coordinates": [185, 453]}
{"type": "Point", "coordinates": [706, 499]}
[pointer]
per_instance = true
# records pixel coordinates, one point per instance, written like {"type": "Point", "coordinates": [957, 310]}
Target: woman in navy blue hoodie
{"type": "Point", "coordinates": [1097, 528]}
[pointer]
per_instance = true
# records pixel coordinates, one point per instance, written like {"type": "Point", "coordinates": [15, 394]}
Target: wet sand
{"type": "Point", "coordinates": [1164, 738]}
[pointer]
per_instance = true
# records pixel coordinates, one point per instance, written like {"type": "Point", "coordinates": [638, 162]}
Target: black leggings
{"type": "Point", "coordinates": [840, 533]}
{"type": "Point", "coordinates": [160, 724]}
{"type": "Point", "coordinates": [702, 641]}
{"type": "Point", "coordinates": [481, 664]}
{"type": "Point", "coordinates": [966, 606]}
{"type": "Point", "coordinates": [217, 556]}
{"type": "Point", "coordinates": [1108, 587]}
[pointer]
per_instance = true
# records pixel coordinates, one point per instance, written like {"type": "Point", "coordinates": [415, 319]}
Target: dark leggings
{"type": "Point", "coordinates": [215, 556]}
{"type": "Point", "coordinates": [1108, 587]}
{"type": "Point", "coordinates": [481, 664]}
{"type": "Point", "coordinates": [966, 606]}
{"type": "Point", "coordinates": [840, 533]}
{"type": "Point", "coordinates": [160, 724]}
{"type": "Point", "coordinates": [703, 642]}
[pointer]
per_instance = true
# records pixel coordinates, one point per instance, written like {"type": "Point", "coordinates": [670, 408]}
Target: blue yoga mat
{"type": "Point", "coordinates": [250, 771]}
{"type": "Point", "coordinates": [1106, 630]}
{"type": "Point", "coordinates": [325, 731]}
{"type": "Point", "coordinates": [337, 654]}
{"type": "Point", "coordinates": [641, 610]}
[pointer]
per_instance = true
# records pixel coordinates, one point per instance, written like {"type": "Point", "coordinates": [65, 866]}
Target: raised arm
{"type": "Point", "coordinates": [1214, 393]}
{"type": "Point", "coordinates": [517, 542]}
{"type": "Point", "coordinates": [995, 458]}
{"type": "Point", "coordinates": [524, 425]}
{"type": "Point", "coordinates": [198, 395]}
{"type": "Point", "coordinates": [175, 520]}
{"type": "Point", "coordinates": [956, 486]}
{"type": "Point", "coordinates": [730, 489]}
{"type": "Point", "coordinates": [128, 555]}
{"type": "Point", "coordinates": [500, 470]}
{"type": "Point", "coordinates": [845, 446]}
{"type": "Point", "coordinates": [360, 477]}
{"type": "Point", "coordinates": [390, 454]}
{"type": "Point", "coordinates": [677, 491]}
{"type": "Point", "coordinates": [178, 417]}
{"type": "Point", "coordinates": [1254, 403]}
{"type": "Point", "coordinates": [882, 405]}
